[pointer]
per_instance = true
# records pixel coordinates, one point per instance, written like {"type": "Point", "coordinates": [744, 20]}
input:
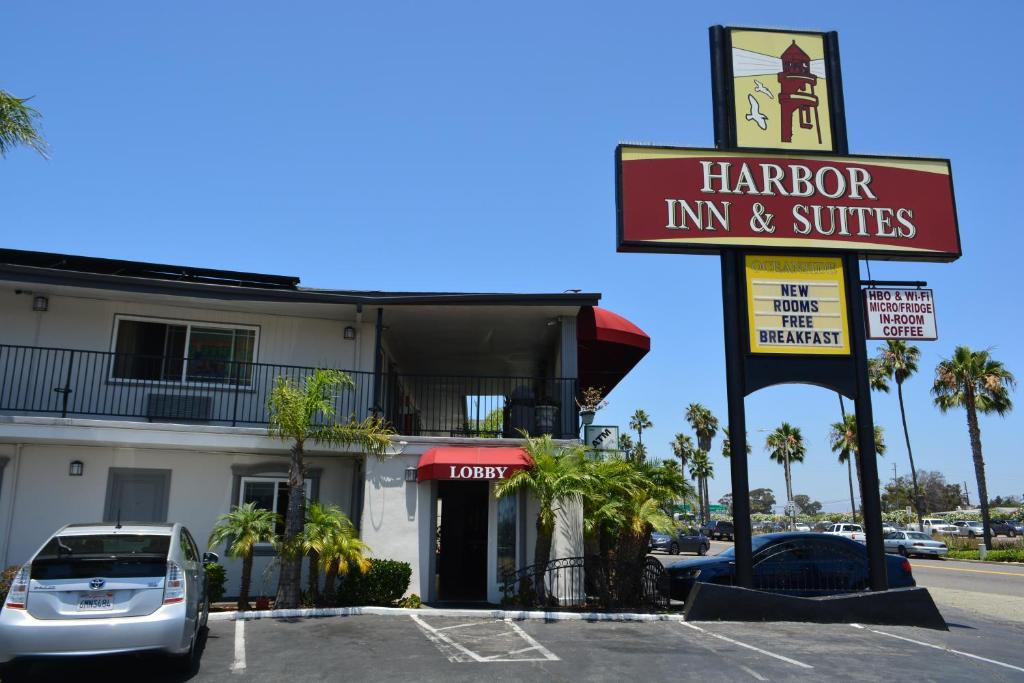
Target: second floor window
{"type": "Point", "coordinates": [172, 351]}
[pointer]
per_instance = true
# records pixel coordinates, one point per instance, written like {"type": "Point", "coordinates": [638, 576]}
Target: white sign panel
{"type": "Point", "coordinates": [601, 438]}
{"type": "Point", "coordinates": [900, 314]}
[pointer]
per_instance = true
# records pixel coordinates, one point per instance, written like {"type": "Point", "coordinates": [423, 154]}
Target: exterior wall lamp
{"type": "Point", "coordinates": [350, 332]}
{"type": "Point", "coordinates": [410, 474]}
{"type": "Point", "coordinates": [76, 468]}
{"type": "Point", "coordinates": [41, 304]}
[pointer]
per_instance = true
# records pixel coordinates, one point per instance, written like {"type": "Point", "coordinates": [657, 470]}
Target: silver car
{"type": "Point", "coordinates": [103, 588]}
{"type": "Point", "coordinates": [969, 529]}
{"type": "Point", "coordinates": [907, 543]}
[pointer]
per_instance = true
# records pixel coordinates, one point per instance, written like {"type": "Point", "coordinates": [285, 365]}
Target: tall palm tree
{"type": "Point", "coordinates": [242, 528]}
{"type": "Point", "coordinates": [626, 446]}
{"type": "Point", "coordinates": [727, 444]}
{"type": "Point", "coordinates": [978, 383]}
{"type": "Point", "coordinates": [842, 440]}
{"type": "Point", "coordinates": [638, 423]}
{"type": "Point", "coordinates": [557, 474]}
{"type": "Point", "coordinates": [640, 453]}
{"type": "Point", "coordinates": [702, 469]}
{"type": "Point", "coordinates": [18, 126]}
{"type": "Point", "coordinates": [844, 458]}
{"type": "Point", "coordinates": [301, 413]}
{"type": "Point", "coordinates": [785, 446]}
{"type": "Point", "coordinates": [704, 424]}
{"type": "Point", "coordinates": [682, 448]}
{"type": "Point", "coordinates": [897, 360]}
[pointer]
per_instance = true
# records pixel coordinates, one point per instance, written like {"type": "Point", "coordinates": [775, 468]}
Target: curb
{"type": "Point", "coordinates": [517, 615]}
{"type": "Point", "coordinates": [992, 562]}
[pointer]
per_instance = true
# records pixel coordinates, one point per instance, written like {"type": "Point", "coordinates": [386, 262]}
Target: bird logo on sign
{"type": "Point", "coordinates": [755, 114]}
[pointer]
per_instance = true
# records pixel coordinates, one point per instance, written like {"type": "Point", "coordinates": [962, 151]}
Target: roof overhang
{"type": "Point", "coordinates": [609, 347]}
{"type": "Point", "coordinates": [472, 463]}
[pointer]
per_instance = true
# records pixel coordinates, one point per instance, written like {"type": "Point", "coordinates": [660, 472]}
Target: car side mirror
{"type": "Point", "coordinates": [211, 557]}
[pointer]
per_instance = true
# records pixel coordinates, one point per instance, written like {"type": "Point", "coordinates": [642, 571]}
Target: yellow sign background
{"type": "Point", "coordinates": [765, 275]}
{"type": "Point", "coordinates": [768, 47]}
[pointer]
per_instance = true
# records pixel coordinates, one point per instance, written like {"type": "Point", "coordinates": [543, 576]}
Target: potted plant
{"type": "Point", "coordinates": [589, 402]}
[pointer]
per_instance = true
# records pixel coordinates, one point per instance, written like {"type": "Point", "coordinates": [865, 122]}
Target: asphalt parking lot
{"type": "Point", "coordinates": [430, 647]}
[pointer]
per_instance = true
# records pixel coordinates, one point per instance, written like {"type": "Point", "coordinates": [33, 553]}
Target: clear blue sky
{"type": "Point", "coordinates": [468, 146]}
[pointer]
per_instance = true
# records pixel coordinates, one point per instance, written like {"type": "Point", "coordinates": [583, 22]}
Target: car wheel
{"type": "Point", "coordinates": [902, 550]}
{"type": "Point", "coordinates": [673, 549]}
{"type": "Point", "coordinates": [1012, 534]}
{"type": "Point", "coordinates": [188, 663]}
{"type": "Point", "coordinates": [703, 550]}
{"type": "Point", "coordinates": [970, 534]}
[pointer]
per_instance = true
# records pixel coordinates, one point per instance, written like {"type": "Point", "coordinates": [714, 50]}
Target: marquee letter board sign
{"type": "Point", "coordinates": [796, 305]}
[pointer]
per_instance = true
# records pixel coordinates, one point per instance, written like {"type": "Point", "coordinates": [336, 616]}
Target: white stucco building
{"type": "Point", "coordinates": [139, 390]}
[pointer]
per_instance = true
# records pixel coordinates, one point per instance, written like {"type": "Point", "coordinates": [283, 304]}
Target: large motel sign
{"type": "Point", "coordinates": [790, 212]}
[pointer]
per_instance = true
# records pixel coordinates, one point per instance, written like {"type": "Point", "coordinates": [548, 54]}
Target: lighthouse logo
{"type": "Point", "coordinates": [780, 90]}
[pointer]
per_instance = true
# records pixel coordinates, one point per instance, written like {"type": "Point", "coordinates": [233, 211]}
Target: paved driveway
{"type": "Point", "coordinates": [428, 647]}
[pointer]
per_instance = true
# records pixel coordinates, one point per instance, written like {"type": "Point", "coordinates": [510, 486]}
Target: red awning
{"type": "Point", "coordinates": [609, 347]}
{"type": "Point", "coordinates": [471, 462]}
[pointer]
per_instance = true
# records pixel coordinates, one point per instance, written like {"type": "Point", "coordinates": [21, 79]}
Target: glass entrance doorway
{"type": "Point", "coordinates": [462, 540]}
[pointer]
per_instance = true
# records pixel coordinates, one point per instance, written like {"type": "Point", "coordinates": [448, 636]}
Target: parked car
{"type": "Point", "coordinates": [803, 564]}
{"type": "Point", "coordinates": [685, 540]}
{"type": "Point", "coordinates": [854, 532]}
{"type": "Point", "coordinates": [800, 526]}
{"type": "Point", "coordinates": [969, 529]}
{"type": "Point", "coordinates": [933, 526]}
{"type": "Point", "coordinates": [1003, 527]}
{"type": "Point", "coordinates": [104, 588]}
{"type": "Point", "coordinates": [907, 543]}
{"type": "Point", "coordinates": [821, 526]}
{"type": "Point", "coordinates": [718, 530]}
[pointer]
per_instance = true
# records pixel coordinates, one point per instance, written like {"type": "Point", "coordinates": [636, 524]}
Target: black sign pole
{"type": "Point", "coordinates": [870, 501]}
{"type": "Point", "coordinates": [732, 311]}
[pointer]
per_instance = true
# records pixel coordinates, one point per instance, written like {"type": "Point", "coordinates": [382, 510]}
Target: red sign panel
{"type": "Point", "coordinates": [692, 200]}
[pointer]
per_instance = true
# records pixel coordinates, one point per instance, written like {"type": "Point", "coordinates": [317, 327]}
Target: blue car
{"type": "Point", "coordinates": [801, 564]}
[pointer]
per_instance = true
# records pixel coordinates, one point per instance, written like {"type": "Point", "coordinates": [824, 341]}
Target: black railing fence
{"type": "Point", "coordinates": [584, 583]}
{"type": "Point", "coordinates": [76, 383]}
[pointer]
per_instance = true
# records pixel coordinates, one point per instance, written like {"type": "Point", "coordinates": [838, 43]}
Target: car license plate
{"type": "Point", "coordinates": [94, 603]}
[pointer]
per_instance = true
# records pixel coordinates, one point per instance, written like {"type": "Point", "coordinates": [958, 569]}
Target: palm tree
{"type": "Point", "coordinates": [242, 528]}
{"type": "Point", "coordinates": [844, 458]}
{"type": "Point", "coordinates": [344, 552]}
{"type": "Point", "coordinates": [704, 424]}
{"type": "Point", "coordinates": [301, 413]}
{"type": "Point", "coordinates": [727, 444]}
{"type": "Point", "coordinates": [324, 523]}
{"type": "Point", "coordinates": [842, 439]}
{"type": "Point", "coordinates": [702, 469]}
{"type": "Point", "coordinates": [18, 126]}
{"type": "Point", "coordinates": [978, 383]}
{"type": "Point", "coordinates": [640, 453]}
{"type": "Point", "coordinates": [682, 448]}
{"type": "Point", "coordinates": [785, 446]}
{"type": "Point", "coordinates": [898, 360]}
{"type": "Point", "coordinates": [626, 446]}
{"type": "Point", "coordinates": [557, 474]}
{"type": "Point", "coordinates": [638, 423]}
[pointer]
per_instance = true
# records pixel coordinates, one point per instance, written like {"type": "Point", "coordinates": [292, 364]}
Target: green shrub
{"type": "Point", "coordinates": [6, 577]}
{"type": "Point", "coordinates": [383, 584]}
{"type": "Point", "coordinates": [412, 602]}
{"type": "Point", "coordinates": [1007, 555]}
{"type": "Point", "coordinates": [962, 554]}
{"type": "Point", "coordinates": [216, 578]}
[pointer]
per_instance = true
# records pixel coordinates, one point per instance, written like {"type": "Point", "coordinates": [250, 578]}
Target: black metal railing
{"type": "Point", "coordinates": [77, 383]}
{"type": "Point", "coordinates": [583, 583]}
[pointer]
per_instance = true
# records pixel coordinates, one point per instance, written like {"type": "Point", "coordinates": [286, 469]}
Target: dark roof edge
{"type": "Point", "coordinates": [144, 285]}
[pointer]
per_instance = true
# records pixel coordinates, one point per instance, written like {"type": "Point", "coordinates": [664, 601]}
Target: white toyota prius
{"type": "Point", "coordinates": [108, 588]}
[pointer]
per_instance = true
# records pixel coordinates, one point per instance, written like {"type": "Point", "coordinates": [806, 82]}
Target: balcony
{"type": "Point", "coordinates": [97, 384]}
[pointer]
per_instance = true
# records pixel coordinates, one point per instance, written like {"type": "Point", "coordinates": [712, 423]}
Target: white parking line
{"type": "Point", "coordinates": [458, 652]}
{"type": "Point", "coordinates": [548, 654]}
{"type": "Point", "coordinates": [749, 647]}
{"type": "Point", "coordinates": [941, 647]}
{"type": "Point", "coordinates": [238, 666]}
{"type": "Point", "coordinates": [436, 636]}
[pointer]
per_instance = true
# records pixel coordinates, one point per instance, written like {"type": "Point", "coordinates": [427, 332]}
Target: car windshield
{"type": "Point", "coordinates": [976, 525]}
{"type": "Point", "coordinates": [107, 555]}
{"type": "Point", "coordinates": [104, 545]}
{"type": "Point", "coordinates": [918, 535]}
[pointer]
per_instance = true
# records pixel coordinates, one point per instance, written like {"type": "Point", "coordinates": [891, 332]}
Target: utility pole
{"type": "Point", "coordinates": [967, 496]}
{"type": "Point", "coordinates": [895, 489]}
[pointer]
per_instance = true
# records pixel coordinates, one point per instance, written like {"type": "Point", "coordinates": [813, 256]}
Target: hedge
{"type": "Point", "coordinates": [1006, 555]}
{"type": "Point", "coordinates": [382, 585]}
